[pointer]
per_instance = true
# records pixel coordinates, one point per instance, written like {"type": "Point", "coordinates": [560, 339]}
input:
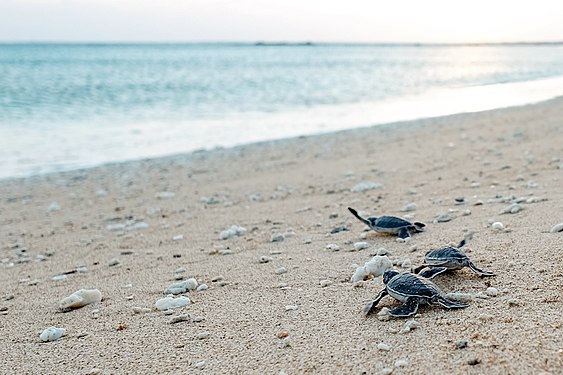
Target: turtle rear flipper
{"type": "Point", "coordinates": [404, 233]}
{"type": "Point", "coordinates": [370, 306]}
{"type": "Point", "coordinates": [432, 272]}
{"type": "Point", "coordinates": [450, 304]}
{"type": "Point", "coordinates": [419, 227]}
{"type": "Point", "coordinates": [355, 213]}
{"type": "Point", "coordinates": [479, 271]}
{"type": "Point", "coordinates": [410, 307]}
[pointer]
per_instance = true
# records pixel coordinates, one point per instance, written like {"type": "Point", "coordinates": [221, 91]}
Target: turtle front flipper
{"type": "Point", "coordinates": [368, 309]}
{"type": "Point", "coordinates": [355, 213]}
{"type": "Point", "coordinates": [432, 272]}
{"type": "Point", "coordinates": [477, 270]}
{"type": "Point", "coordinates": [404, 233]}
{"type": "Point", "coordinates": [450, 304]}
{"type": "Point", "coordinates": [410, 307]}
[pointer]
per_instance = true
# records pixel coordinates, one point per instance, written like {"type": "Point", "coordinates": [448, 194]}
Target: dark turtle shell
{"type": "Point", "coordinates": [389, 222]}
{"type": "Point", "coordinates": [411, 285]}
{"type": "Point", "coordinates": [445, 255]}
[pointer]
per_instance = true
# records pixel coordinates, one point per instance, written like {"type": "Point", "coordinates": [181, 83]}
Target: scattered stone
{"type": "Point", "coordinates": [115, 227]}
{"type": "Point", "coordinates": [493, 292]}
{"type": "Point", "coordinates": [401, 362]}
{"type": "Point", "coordinates": [291, 307]}
{"type": "Point", "coordinates": [202, 287]}
{"type": "Point", "coordinates": [332, 247]}
{"type": "Point", "coordinates": [225, 252]}
{"type": "Point", "coordinates": [197, 319]}
{"type": "Point", "coordinates": [52, 334]}
{"type": "Point", "coordinates": [386, 371]}
{"type": "Point", "coordinates": [361, 245]}
{"type": "Point", "coordinates": [325, 283]}
{"type": "Point", "coordinates": [333, 215]}
{"type": "Point", "coordinates": [284, 343]}
{"type": "Point", "coordinates": [475, 184]}
{"type": "Point", "coordinates": [140, 310]}
{"type": "Point", "coordinates": [59, 278]}
{"type": "Point", "coordinates": [478, 203]}
{"type": "Point", "coordinates": [277, 237]}
{"type": "Point", "coordinates": [282, 334]}
{"type": "Point", "coordinates": [181, 287]}
{"type": "Point", "coordinates": [466, 212]}
{"type": "Point", "coordinates": [485, 317]}
{"type": "Point", "coordinates": [376, 266]}
{"type": "Point", "coordinates": [497, 225]}
{"type": "Point", "coordinates": [410, 325]}
{"type": "Point", "coordinates": [179, 318]}
{"type": "Point", "coordinates": [200, 365]}
{"type": "Point", "coordinates": [407, 263]}
{"type": "Point", "coordinates": [114, 262]}
{"type": "Point", "coordinates": [512, 209]}
{"type": "Point", "coordinates": [81, 269]}
{"type": "Point", "coordinates": [459, 297]}
{"type": "Point", "coordinates": [481, 295]}
{"type": "Point", "coordinates": [459, 200]}
{"type": "Point", "coordinates": [557, 228]}
{"type": "Point", "coordinates": [513, 302]}
{"type": "Point", "coordinates": [383, 346]}
{"type": "Point", "coordinates": [473, 362]}
{"type": "Point", "coordinates": [460, 344]}
{"type": "Point", "coordinates": [408, 207]}
{"type": "Point", "coordinates": [381, 251]}
{"type": "Point", "coordinates": [280, 271]}
{"type": "Point", "coordinates": [168, 303]}
{"type": "Point", "coordinates": [265, 259]}
{"type": "Point", "coordinates": [366, 185]}
{"type": "Point", "coordinates": [202, 335]}
{"type": "Point", "coordinates": [137, 226]}
{"type": "Point", "coordinates": [81, 298]}
{"type": "Point", "coordinates": [54, 207]}
{"type": "Point", "coordinates": [233, 231]}
{"type": "Point", "coordinates": [443, 218]}
{"type": "Point", "coordinates": [339, 229]}
{"type": "Point", "coordinates": [383, 314]}
{"type": "Point", "coordinates": [178, 237]}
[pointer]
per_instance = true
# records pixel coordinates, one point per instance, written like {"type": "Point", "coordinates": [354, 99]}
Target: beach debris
{"type": "Point", "coordinates": [412, 290]}
{"type": "Point", "coordinates": [324, 283]}
{"type": "Point", "coordinates": [460, 344]}
{"type": "Point", "coordinates": [339, 229]}
{"type": "Point", "coordinates": [182, 286]}
{"type": "Point", "coordinates": [140, 310]}
{"type": "Point", "coordinates": [285, 343]}
{"type": "Point", "coordinates": [410, 325]}
{"type": "Point", "coordinates": [52, 334]}
{"type": "Point", "coordinates": [466, 212]}
{"type": "Point", "coordinates": [280, 271]}
{"type": "Point", "coordinates": [557, 228]}
{"type": "Point", "coordinates": [459, 200]}
{"type": "Point", "coordinates": [513, 302]}
{"type": "Point", "coordinates": [361, 245]}
{"type": "Point", "coordinates": [54, 206]}
{"type": "Point", "coordinates": [81, 298]}
{"type": "Point", "coordinates": [408, 207]}
{"type": "Point", "coordinates": [375, 267]}
{"type": "Point", "coordinates": [233, 231]}
{"type": "Point", "coordinates": [178, 237]}
{"type": "Point", "coordinates": [401, 362]}
{"type": "Point", "coordinates": [59, 278]}
{"type": "Point", "coordinates": [365, 186]}
{"type": "Point", "coordinates": [384, 314]}
{"type": "Point", "coordinates": [473, 361]}
{"type": "Point", "coordinates": [277, 237]}
{"type": "Point", "coordinates": [512, 209]}
{"type": "Point", "coordinates": [265, 259]}
{"type": "Point", "coordinates": [202, 287]}
{"type": "Point", "coordinates": [497, 225]}
{"type": "Point", "coordinates": [114, 262]}
{"type": "Point", "coordinates": [460, 297]}
{"type": "Point", "coordinates": [200, 365]}
{"type": "Point", "coordinates": [332, 247]}
{"type": "Point", "coordinates": [447, 258]}
{"type": "Point", "coordinates": [386, 371]}
{"type": "Point", "coordinates": [492, 292]}
{"type": "Point", "coordinates": [202, 335]}
{"type": "Point", "coordinates": [442, 218]}
{"type": "Point", "coordinates": [291, 307]}
{"type": "Point", "coordinates": [179, 318]}
{"type": "Point", "coordinates": [383, 346]}
{"type": "Point", "coordinates": [282, 334]}
{"type": "Point", "coordinates": [169, 302]}
{"type": "Point", "coordinates": [390, 225]}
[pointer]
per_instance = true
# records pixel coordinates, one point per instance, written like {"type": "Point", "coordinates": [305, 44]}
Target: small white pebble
{"type": "Point", "coordinates": [361, 245]}
{"type": "Point", "coordinates": [199, 365]}
{"type": "Point", "coordinates": [513, 302]}
{"type": "Point", "coordinates": [410, 325]}
{"type": "Point", "coordinates": [202, 287]}
{"type": "Point", "coordinates": [332, 247]}
{"type": "Point", "coordinates": [383, 314]}
{"type": "Point", "coordinates": [284, 343]}
{"type": "Point", "coordinates": [277, 237]}
{"type": "Point", "coordinates": [179, 237]}
{"type": "Point", "coordinates": [497, 225]}
{"type": "Point", "coordinates": [383, 346]}
{"type": "Point", "coordinates": [114, 262]}
{"type": "Point", "coordinates": [557, 228]}
{"type": "Point", "coordinates": [280, 271]}
{"type": "Point", "coordinates": [401, 362]}
{"type": "Point", "coordinates": [386, 371]}
{"type": "Point", "coordinates": [59, 278]}
{"type": "Point", "coordinates": [202, 335]}
{"type": "Point", "coordinates": [291, 307]}
{"type": "Point", "coordinates": [459, 297]}
{"type": "Point", "coordinates": [52, 334]}
{"type": "Point", "coordinates": [325, 283]}
{"type": "Point", "coordinates": [265, 259]}
{"type": "Point", "coordinates": [493, 292]}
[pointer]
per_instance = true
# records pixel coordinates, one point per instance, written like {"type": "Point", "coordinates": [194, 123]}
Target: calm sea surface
{"type": "Point", "coordinates": [65, 106]}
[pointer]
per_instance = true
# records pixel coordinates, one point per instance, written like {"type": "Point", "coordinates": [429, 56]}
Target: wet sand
{"type": "Point", "coordinates": [152, 218]}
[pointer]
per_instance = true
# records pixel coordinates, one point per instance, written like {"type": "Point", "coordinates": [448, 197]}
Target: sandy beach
{"type": "Point", "coordinates": [279, 298]}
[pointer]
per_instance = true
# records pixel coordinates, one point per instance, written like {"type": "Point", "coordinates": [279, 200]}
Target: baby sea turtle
{"type": "Point", "coordinates": [447, 258]}
{"type": "Point", "coordinates": [412, 290]}
{"type": "Point", "coordinates": [390, 224]}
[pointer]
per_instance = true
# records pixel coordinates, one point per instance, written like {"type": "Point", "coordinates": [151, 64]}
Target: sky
{"type": "Point", "coordinates": [417, 21]}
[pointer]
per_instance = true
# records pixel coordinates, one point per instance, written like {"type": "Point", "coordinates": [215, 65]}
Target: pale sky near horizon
{"type": "Point", "coordinates": [424, 21]}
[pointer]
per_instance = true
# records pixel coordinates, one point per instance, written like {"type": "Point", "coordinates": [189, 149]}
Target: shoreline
{"type": "Point", "coordinates": [288, 306]}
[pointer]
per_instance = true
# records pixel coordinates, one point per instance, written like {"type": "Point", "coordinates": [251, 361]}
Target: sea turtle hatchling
{"type": "Point", "coordinates": [412, 290]}
{"type": "Point", "coordinates": [447, 258]}
{"type": "Point", "coordinates": [390, 224]}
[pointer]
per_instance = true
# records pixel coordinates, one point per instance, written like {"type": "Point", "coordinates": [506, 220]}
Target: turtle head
{"type": "Point", "coordinates": [388, 275]}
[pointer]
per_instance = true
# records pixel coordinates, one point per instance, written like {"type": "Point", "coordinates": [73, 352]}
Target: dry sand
{"type": "Point", "coordinates": [302, 185]}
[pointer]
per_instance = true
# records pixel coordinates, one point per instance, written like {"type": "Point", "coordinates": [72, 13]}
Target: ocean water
{"type": "Point", "coordinates": [67, 106]}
